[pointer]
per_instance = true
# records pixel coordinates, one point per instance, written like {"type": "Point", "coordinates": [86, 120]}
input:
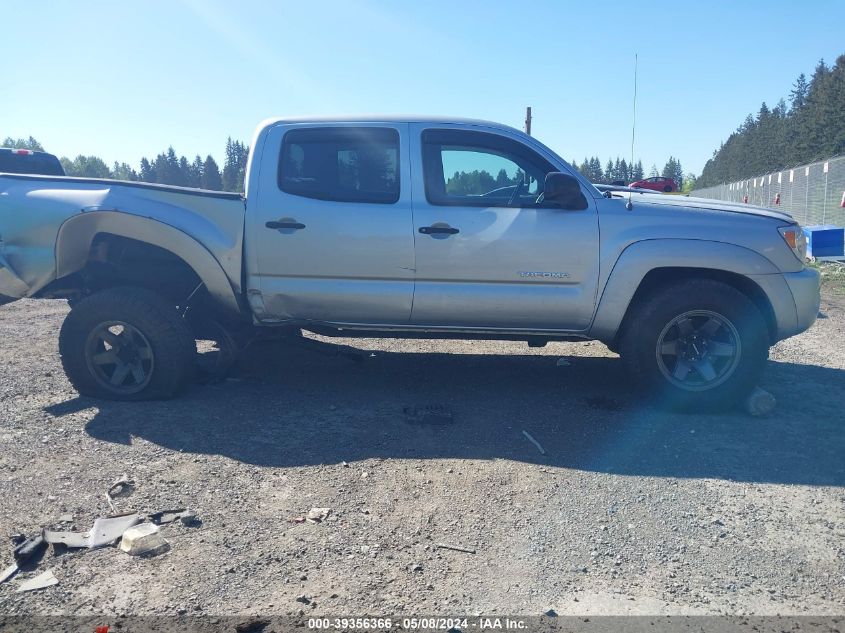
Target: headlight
{"type": "Point", "coordinates": [796, 240]}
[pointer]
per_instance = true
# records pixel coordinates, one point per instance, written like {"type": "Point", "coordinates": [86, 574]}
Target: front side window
{"type": "Point", "coordinates": [341, 164]}
{"type": "Point", "coordinates": [465, 168]}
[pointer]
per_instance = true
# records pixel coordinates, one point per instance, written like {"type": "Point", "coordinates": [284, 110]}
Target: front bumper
{"type": "Point", "coordinates": [806, 292]}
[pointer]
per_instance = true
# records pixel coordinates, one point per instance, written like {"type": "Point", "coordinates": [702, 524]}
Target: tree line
{"type": "Point", "coordinates": [167, 168]}
{"type": "Point", "coordinates": [810, 128]}
{"type": "Point", "coordinates": [620, 171]}
{"type": "Point", "coordinates": [464, 183]}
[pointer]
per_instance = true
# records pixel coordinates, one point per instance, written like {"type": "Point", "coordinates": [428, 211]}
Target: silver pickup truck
{"type": "Point", "coordinates": [405, 227]}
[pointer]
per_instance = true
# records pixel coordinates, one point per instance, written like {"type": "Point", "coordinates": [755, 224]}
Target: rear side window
{"type": "Point", "coordinates": [346, 164]}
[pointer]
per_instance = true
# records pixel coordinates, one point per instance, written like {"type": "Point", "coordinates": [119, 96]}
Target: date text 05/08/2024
{"type": "Point", "coordinates": [418, 623]}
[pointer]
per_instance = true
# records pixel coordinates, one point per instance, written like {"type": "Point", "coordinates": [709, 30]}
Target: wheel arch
{"type": "Point", "coordinates": [646, 266]}
{"type": "Point", "coordinates": [78, 236]}
{"type": "Point", "coordinates": [662, 277]}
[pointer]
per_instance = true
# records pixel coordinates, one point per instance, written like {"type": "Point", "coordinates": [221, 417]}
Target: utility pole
{"type": "Point", "coordinates": [528, 120]}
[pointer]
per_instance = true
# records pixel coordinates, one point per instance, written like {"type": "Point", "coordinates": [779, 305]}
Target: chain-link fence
{"type": "Point", "coordinates": [812, 194]}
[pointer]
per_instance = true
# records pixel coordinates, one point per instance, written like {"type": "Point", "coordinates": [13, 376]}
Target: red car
{"type": "Point", "coordinates": [657, 183]}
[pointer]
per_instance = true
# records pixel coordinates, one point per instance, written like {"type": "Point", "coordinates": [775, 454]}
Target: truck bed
{"type": "Point", "coordinates": [33, 207]}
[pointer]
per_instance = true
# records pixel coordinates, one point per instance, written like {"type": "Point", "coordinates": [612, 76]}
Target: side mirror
{"type": "Point", "coordinates": [563, 190]}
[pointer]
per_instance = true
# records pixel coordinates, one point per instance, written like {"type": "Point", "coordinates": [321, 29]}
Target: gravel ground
{"type": "Point", "coordinates": [631, 510]}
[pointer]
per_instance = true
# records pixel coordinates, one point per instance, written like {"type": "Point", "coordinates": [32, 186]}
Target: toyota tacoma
{"type": "Point", "coordinates": [404, 227]}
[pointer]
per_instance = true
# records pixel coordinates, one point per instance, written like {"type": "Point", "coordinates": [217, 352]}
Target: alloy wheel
{"type": "Point", "coordinates": [119, 357]}
{"type": "Point", "coordinates": [698, 350]}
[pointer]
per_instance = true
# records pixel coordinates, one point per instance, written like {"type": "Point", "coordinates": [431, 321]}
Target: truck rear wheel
{"type": "Point", "coordinates": [698, 345]}
{"type": "Point", "coordinates": [127, 344]}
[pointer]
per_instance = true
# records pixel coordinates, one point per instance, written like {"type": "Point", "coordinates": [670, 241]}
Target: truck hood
{"type": "Point", "coordinates": [688, 202]}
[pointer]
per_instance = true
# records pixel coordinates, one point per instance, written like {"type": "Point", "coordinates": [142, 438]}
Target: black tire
{"type": "Point", "coordinates": [667, 189]}
{"type": "Point", "coordinates": [678, 318]}
{"type": "Point", "coordinates": [153, 341]}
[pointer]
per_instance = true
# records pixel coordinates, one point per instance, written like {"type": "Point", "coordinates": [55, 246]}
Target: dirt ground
{"type": "Point", "coordinates": [631, 510]}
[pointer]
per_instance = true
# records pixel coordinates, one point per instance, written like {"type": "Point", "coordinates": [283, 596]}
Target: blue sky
{"type": "Point", "coordinates": [126, 79]}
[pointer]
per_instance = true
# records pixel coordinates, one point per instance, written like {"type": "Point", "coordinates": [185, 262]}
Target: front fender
{"type": "Point", "coordinates": [75, 236]}
{"type": "Point", "coordinates": [639, 258]}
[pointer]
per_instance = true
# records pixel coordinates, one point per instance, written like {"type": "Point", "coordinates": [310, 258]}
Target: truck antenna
{"type": "Point", "coordinates": [629, 205]}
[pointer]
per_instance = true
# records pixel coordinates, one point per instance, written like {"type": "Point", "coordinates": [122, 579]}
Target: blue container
{"type": "Point", "coordinates": [825, 240]}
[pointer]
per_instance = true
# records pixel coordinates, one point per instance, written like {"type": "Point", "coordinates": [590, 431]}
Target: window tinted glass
{"type": "Point", "coordinates": [341, 164]}
{"type": "Point", "coordinates": [479, 169]}
{"type": "Point", "coordinates": [46, 164]}
{"type": "Point", "coordinates": [475, 172]}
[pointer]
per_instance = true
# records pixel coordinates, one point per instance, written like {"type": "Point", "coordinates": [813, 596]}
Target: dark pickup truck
{"type": "Point", "coordinates": [27, 161]}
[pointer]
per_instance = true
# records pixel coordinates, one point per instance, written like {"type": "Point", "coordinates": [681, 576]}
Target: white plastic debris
{"type": "Point", "coordinates": [41, 581]}
{"type": "Point", "coordinates": [531, 439]}
{"type": "Point", "coordinates": [143, 540]}
{"type": "Point", "coordinates": [104, 532]}
{"type": "Point", "coordinates": [317, 515]}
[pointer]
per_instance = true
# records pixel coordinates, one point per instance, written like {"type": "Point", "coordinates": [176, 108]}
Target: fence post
{"type": "Point", "coordinates": [824, 208]}
{"type": "Point", "coordinates": [791, 189]}
{"type": "Point", "coordinates": [806, 194]}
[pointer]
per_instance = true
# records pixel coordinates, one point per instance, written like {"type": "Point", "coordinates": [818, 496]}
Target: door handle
{"type": "Point", "coordinates": [284, 225]}
{"type": "Point", "coordinates": [431, 230]}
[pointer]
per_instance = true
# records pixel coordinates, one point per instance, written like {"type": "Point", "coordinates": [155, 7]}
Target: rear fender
{"type": "Point", "coordinates": [76, 235]}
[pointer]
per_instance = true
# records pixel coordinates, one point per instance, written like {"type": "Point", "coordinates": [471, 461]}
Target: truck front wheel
{"type": "Point", "coordinates": [698, 345]}
{"type": "Point", "coordinates": [127, 344]}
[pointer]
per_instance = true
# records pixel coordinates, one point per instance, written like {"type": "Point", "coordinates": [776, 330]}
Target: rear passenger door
{"type": "Point", "coordinates": [331, 237]}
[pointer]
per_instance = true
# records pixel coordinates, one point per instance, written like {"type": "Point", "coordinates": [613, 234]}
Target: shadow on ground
{"type": "Point", "coordinates": [288, 406]}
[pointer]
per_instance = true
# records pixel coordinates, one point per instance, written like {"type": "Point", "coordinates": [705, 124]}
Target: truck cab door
{"type": "Point", "coordinates": [330, 235]}
{"type": "Point", "coordinates": [490, 253]}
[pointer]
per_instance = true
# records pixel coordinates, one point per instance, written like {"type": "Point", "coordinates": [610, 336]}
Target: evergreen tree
{"type": "Point", "coordinates": [234, 168]}
{"type": "Point", "coordinates": [596, 173]}
{"type": "Point", "coordinates": [173, 171]}
{"type": "Point", "coordinates": [836, 109]}
{"type": "Point", "coordinates": [584, 168]}
{"type": "Point", "coordinates": [22, 143]}
{"type": "Point", "coordinates": [160, 169]}
{"type": "Point", "coordinates": [798, 96]}
{"type": "Point", "coordinates": [86, 167]}
{"type": "Point", "coordinates": [195, 172]}
{"type": "Point", "coordinates": [673, 170]}
{"type": "Point", "coordinates": [476, 182]}
{"type": "Point", "coordinates": [211, 178]}
{"type": "Point", "coordinates": [147, 173]}
{"type": "Point", "coordinates": [122, 171]}
{"type": "Point", "coordinates": [184, 172]}
{"type": "Point", "coordinates": [811, 128]}
{"type": "Point", "coordinates": [638, 171]}
{"type": "Point", "coordinates": [608, 172]}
